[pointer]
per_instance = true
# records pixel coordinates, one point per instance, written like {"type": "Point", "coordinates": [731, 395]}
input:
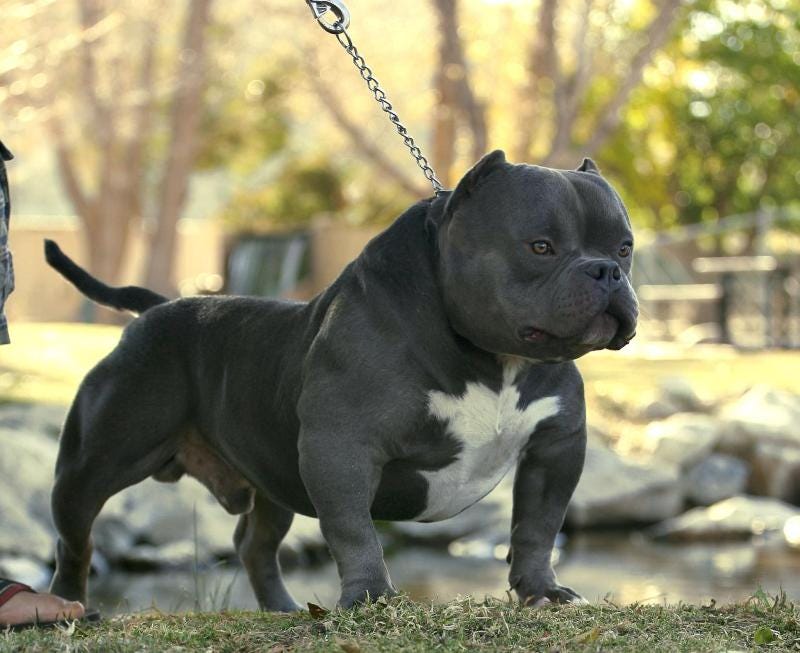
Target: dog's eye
{"type": "Point", "coordinates": [541, 247]}
{"type": "Point", "coordinates": [625, 250]}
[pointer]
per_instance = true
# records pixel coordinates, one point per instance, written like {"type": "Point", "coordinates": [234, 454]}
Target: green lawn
{"type": "Point", "coordinates": [763, 623]}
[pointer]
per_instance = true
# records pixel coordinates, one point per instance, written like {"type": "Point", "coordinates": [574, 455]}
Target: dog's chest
{"type": "Point", "coordinates": [491, 429]}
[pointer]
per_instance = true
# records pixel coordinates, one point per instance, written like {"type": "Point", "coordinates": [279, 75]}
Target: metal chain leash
{"type": "Point", "coordinates": [338, 27]}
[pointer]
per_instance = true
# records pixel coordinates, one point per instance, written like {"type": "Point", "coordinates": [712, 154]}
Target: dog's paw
{"type": "Point", "coordinates": [354, 594]}
{"type": "Point", "coordinates": [553, 594]}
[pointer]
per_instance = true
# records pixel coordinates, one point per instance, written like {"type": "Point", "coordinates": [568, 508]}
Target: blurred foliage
{"type": "Point", "coordinates": [715, 130]}
{"type": "Point", "coordinates": [711, 129]}
{"type": "Point", "coordinates": [301, 191]}
{"type": "Point", "coordinates": [244, 122]}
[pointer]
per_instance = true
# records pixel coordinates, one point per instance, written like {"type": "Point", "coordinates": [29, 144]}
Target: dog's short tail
{"type": "Point", "coordinates": [127, 298]}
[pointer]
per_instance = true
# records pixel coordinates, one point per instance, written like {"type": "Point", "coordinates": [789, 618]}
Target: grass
{"type": "Point", "coordinates": [762, 623]}
{"type": "Point", "coordinates": [46, 361]}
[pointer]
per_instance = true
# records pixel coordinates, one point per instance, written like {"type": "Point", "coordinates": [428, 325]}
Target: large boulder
{"type": "Point", "coordinates": [736, 518]}
{"type": "Point", "coordinates": [762, 414]}
{"type": "Point", "coordinates": [681, 440]}
{"type": "Point", "coordinates": [776, 471]}
{"type": "Point", "coordinates": [763, 427]}
{"type": "Point", "coordinates": [39, 418]}
{"type": "Point", "coordinates": [615, 491]}
{"type": "Point", "coordinates": [716, 478]}
{"type": "Point", "coordinates": [26, 478]}
{"type": "Point", "coordinates": [164, 513]}
{"type": "Point", "coordinates": [157, 524]}
{"type": "Point", "coordinates": [675, 395]}
{"type": "Point", "coordinates": [791, 532]}
{"type": "Point", "coordinates": [25, 570]}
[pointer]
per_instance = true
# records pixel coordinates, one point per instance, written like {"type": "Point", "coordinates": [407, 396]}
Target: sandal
{"type": "Point", "coordinates": [10, 588]}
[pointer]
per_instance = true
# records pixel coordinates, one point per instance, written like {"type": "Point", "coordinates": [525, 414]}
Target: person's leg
{"type": "Point", "coordinates": [6, 267]}
{"type": "Point", "coordinates": [19, 604]}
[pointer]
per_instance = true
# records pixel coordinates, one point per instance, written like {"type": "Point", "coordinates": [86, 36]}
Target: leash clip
{"type": "Point", "coordinates": [339, 10]}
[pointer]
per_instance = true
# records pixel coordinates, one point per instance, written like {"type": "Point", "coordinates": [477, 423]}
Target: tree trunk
{"type": "Point", "coordinates": [186, 113]}
{"type": "Point", "coordinates": [455, 99]}
{"type": "Point", "coordinates": [542, 64]}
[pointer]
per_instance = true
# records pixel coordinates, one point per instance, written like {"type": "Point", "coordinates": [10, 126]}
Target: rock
{"type": "Point", "coordinates": [762, 414]}
{"type": "Point", "coordinates": [716, 478]}
{"type": "Point", "coordinates": [683, 439]}
{"type": "Point", "coordinates": [658, 409]}
{"type": "Point", "coordinates": [25, 570]}
{"type": "Point", "coordinates": [675, 395]}
{"type": "Point", "coordinates": [791, 532]}
{"type": "Point", "coordinates": [26, 478]}
{"type": "Point", "coordinates": [615, 491]}
{"type": "Point", "coordinates": [182, 554]}
{"type": "Point", "coordinates": [677, 391]}
{"type": "Point", "coordinates": [162, 514]}
{"type": "Point", "coordinates": [40, 418]}
{"type": "Point", "coordinates": [304, 544]}
{"type": "Point", "coordinates": [491, 515]}
{"type": "Point", "coordinates": [739, 517]}
{"type": "Point", "coordinates": [112, 538]}
{"type": "Point", "coordinates": [763, 427]}
{"type": "Point", "coordinates": [776, 471]}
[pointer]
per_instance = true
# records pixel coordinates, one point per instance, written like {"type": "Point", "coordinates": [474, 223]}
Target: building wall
{"type": "Point", "coordinates": [42, 295]}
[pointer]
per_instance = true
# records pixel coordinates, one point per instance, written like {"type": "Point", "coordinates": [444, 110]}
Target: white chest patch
{"type": "Point", "coordinates": [491, 430]}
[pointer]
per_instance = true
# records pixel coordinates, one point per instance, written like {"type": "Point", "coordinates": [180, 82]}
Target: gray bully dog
{"type": "Point", "coordinates": [437, 361]}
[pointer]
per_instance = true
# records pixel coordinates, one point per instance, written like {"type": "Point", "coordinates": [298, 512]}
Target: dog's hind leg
{"type": "Point", "coordinates": [108, 443]}
{"type": "Point", "coordinates": [257, 538]}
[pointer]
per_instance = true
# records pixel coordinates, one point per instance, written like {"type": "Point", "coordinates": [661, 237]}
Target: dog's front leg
{"type": "Point", "coordinates": [341, 480]}
{"type": "Point", "coordinates": [545, 480]}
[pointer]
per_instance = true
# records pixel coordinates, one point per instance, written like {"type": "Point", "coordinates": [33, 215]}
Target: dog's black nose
{"type": "Point", "coordinates": [603, 270]}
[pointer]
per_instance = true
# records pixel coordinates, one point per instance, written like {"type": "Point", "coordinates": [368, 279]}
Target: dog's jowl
{"type": "Point", "coordinates": [440, 358]}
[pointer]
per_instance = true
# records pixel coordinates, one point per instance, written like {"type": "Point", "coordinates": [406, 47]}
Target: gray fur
{"type": "Point", "coordinates": [448, 339]}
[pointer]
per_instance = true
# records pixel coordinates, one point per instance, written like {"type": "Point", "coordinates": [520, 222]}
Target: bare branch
{"type": "Point", "coordinates": [542, 64]}
{"type": "Point", "coordinates": [66, 168]}
{"type": "Point", "coordinates": [655, 37]}
{"type": "Point", "coordinates": [184, 122]}
{"type": "Point", "coordinates": [364, 144]}
{"type": "Point", "coordinates": [91, 15]}
{"type": "Point", "coordinates": [142, 119]}
{"type": "Point", "coordinates": [455, 94]}
{"type": "Point", "coordinates": [569, 95]}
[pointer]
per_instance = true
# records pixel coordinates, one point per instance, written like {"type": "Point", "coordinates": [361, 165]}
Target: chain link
{"type": "Point", "coordinates": [339, 29]}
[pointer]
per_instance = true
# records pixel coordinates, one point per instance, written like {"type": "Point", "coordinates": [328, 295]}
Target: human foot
{"type": "Point", "coordinates": [19, 604]}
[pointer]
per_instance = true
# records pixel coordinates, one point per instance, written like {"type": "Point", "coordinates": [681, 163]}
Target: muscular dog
{"type": "Point", "coordinates": [437, 361]}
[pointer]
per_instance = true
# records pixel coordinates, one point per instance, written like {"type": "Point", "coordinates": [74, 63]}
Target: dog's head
{"type": "Point", "coordinates": [536, 262]}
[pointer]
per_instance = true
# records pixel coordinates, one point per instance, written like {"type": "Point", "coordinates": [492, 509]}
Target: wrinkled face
{"type": "Point", "coordinates": [536, 262]}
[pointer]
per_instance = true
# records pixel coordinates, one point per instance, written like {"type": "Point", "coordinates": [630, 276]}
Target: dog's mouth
{"type": "Point", "coordinates": [534, 335]}
{"type": "Point", "coordinates": [603, 331]}
{"type": "Point", "coordinates": [600, 332]}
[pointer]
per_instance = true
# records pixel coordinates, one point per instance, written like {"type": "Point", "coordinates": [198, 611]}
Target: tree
{"type": "Point", "coordinates": [103, 103]}
{"type": "Point", "coordinates": [715, 131]}
{"type": "Point", "coordinates": [564, 91]}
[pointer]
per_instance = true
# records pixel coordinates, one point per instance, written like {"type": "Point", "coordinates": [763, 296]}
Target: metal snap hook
{"type": "Point", "coordinates": [339, 10]}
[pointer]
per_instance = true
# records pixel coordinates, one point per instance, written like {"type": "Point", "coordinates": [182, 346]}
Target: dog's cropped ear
{"type": "Point", "coordinates": [470, 181]}
{"type": "Point", "coordinates": [588, 166]}
{"type": "Point", "coordinates": [5, 153]}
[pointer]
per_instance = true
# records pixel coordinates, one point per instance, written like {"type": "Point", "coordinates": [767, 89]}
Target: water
{"type": "Point", "coordinates": [616, 567]}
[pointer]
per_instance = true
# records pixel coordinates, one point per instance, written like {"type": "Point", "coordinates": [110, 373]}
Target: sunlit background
{"type": "Point", "coordinates": [203, 146]}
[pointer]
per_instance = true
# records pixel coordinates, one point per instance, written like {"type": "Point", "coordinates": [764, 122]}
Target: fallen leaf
{"type": "Point", "coordinates": [317, 611]}
{"type": "Point", "coordinates": [763, 635]}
